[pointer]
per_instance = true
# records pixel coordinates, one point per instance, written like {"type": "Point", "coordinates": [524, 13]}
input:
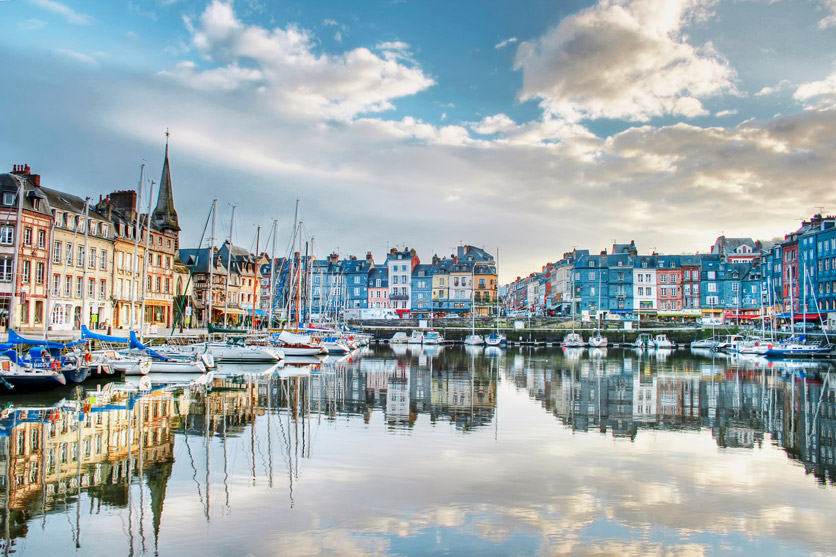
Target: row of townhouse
{"type": "Point", "coordinates": [307, 288]}
{"type": "Point", "coordinates": [738, 279]}
{"type": "Point", "coordinates": [67, 262]}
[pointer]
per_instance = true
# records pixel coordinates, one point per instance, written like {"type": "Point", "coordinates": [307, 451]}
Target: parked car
{"type": "Point", "coordinates": [810, 326]}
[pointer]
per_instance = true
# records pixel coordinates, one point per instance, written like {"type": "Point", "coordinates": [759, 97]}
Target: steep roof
{"type": "Point", "coordinates": [164, 216]}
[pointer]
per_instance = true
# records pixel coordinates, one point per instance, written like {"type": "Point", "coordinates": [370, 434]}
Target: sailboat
{"type": "Point", "coordinates": [573, 339]}
{"type": "Point", "coordinates": [473, 339]}
{"type": "Point", "coordinates": [597, 340]}
{"type": "Point", "coordinates": [496, 338]}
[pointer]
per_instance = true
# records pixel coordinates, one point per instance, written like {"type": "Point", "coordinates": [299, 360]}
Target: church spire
{"type": "Point", "coordinates": [164, 216]}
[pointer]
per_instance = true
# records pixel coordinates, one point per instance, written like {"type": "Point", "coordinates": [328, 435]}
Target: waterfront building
{"type": "Point", "coordinates": [422, 290]}
{"type": "Point", "coordinates": [163, 246]}
{"type": "Point", "coordinates": [198, 261]}
{"type": "Point", "coordinates": [120, 209]}
{"type": "Point", "coordinates": [711, 278]}
{"type": "Point", "coordinates": [441, 284]}
{"type": "Point", "coordinates": [670, 294]}
{"type": "Point", "coordinates": [590, 288]}
{"type": "Point", "coordinates": [79, 277]}
{"type": "Point", "coordinates": [356, 273]}
{"type": "Point", "coordinates": [400, 265]}
{"type": "Point", "coordinates": [241, 281]}
{"type": "Point", "coordinates": [690, 268]}
{"type": "Point", "coordinates": [378, 287]}
{"type": "Point", "coordinates": [644, 285]}
{"type": "Point", "coordinates": [620, 264]}
{"type": "Point", "coordinates": [27, 243]}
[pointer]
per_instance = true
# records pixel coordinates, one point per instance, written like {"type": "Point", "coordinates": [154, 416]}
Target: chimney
{"type": "Point", "coordinates": [369, 257]}
{"type": "Point", "coordinates": [36, 179]}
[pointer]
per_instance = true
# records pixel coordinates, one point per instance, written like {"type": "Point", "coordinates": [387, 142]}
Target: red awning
{"type": "Point", "coordinates": [806, 317]}
{"type": "Point", "coordinates": [741, 316]}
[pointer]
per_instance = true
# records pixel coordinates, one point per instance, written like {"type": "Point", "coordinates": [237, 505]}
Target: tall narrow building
{"type": "Point", "coordinates": [163, 246]}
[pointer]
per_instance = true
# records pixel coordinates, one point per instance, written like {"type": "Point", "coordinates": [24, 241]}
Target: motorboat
{"type": "Point", "coordinates": [294, 344]}
{"type": "Point", "coordinates": [644, 340]}
{"type": "Point", "coordinates": [399, 338]}
{"type": "Point", "coordinates": [417, 337]}
{"type": "Point", "coordinates": [662, 341]}
{"type": "Point", "coordinates": [704, 344]}
{"type": "Point", "coordinates": [433, 337]}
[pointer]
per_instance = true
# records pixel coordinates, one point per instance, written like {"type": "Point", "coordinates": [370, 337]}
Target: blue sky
{"type": "Point", "coordinates": [531, 127]}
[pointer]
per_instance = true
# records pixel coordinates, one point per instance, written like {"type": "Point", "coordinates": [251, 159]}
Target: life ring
{"type": "Point", "coordinates": [55, 365]}
{"type": "Point", "coordinates": [88, 357]}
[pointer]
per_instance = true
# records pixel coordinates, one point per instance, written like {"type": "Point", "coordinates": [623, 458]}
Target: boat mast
{"type": "Point", "coordinates": [48, 317]}
{"type": "Point", "coordinates": [255, 275]}
{"type": "Point", "coordinates": [228, 262]}
{"type": "Point", "coordinates": [85, 311]}
{"type": "Point", "coordinates": [208, 317]}
{"type": "Point", "coordinates": [145, 288]}
{"type": "Point", "coordinates": [272, 275]}
{"type": "Point", "coordinates": [134, 287]}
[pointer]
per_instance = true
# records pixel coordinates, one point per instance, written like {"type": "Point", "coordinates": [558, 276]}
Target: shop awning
{"type": "Point", "coordinates": [742, 316]}
{"type": "Point", "coordinates": [230, 311]}
{"type": "Point", "coordinates": [712, 311]}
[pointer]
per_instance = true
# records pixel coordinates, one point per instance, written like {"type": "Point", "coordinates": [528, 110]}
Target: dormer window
{"type": "Point", "coordinates": [9, 198]}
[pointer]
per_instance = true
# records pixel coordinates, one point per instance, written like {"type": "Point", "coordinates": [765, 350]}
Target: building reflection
{"type": "Point", "coordinates": [740, 401]}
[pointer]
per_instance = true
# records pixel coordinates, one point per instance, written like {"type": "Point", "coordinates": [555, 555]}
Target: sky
{"type": "Point", "coordinates": [525, 128]}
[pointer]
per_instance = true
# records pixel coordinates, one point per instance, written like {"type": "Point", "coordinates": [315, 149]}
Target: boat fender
{"type": "Point", "coordinates": [88, 357]}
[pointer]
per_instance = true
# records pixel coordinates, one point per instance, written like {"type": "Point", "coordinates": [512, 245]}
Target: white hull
{"type": "Point", "coordinates": [178, 367]}
{"type": "Point", "coordinates": [474, 340]}
{"type": "Point", "coordinates": [300, 351]}
{"type": "Point", "coordinates": [598, 342]}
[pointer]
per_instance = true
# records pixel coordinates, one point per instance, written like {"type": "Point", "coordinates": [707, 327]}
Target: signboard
{"type": "Point", "coordinates": [519, 325]}
{"type": "Point", "coordinates": [422, 323]}
{"type": "Point", "coordinates": [188, 311]}
{"type": "Point", "coordinates": [628, 325]}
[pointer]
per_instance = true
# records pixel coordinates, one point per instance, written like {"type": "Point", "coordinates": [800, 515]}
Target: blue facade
{"type": "Point", "coordinates": [356, 273]}
{"type": "Point", "coordinates": [422, 290]}
{"type": "Point", "coordinates": [620, 283]}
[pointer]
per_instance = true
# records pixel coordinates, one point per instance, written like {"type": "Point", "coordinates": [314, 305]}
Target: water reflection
{"type": "Point", "coordinates": [199, 450]}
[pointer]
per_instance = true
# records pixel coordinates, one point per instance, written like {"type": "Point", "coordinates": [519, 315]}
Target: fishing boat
{"type": "Point", "coordinates": [644, 340]}
{"type": "Point", "coordinates": [573, 340]}
{"type": "Point", "coordinates": [433, 337]}
{"type": "Point", "coordinates": [417, 337]}
{"type": "Point", "coordinates": [662, 341]}
{"type": "Point", "coordinates": [597, 340]}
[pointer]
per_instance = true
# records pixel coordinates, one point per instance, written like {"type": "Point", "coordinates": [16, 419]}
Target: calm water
{"type": "Point", "coordinates": [483, 452]}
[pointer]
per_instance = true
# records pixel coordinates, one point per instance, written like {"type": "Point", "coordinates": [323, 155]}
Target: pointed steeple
{"type": "Point", "coordinates": [164, 216]}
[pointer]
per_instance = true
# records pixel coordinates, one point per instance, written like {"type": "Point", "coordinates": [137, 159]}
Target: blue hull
{"type": "Point", "coordinates": [32, 381]}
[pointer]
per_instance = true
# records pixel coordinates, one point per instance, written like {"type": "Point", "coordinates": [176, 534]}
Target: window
{"type": "Point", "coordinates": [9, 199]}
{"type": "Point", "coordinates": [5, 269]}
{"type": "Point", "coordinates": [159, 260]}
{"type": "Point", "coordinates": [69, 253]}
{"type": "Point", "coordinates": [159, 240]}
{"type": "Point", "coordinates": [92, 263]}
{"type": "Point", "coordinates": [712, 287]}
{"type": "Point", "coordinates": [27, 236]}
{"type": "Point", "coordinates": [7, 235]}
{"type": "Point", "coordinates": [39, 272]}
{"type": "Point", "coordinates": [735, 286]}
{"type": "Point", "coordinates": [91, 288]}
{"type": "Point", "coordinates": [80, 260]}
{"type": "Point", "coordinates": [102, 289]}
{"type": "Point", "coordinates": [591, 275]}
{"type": "Point", "coordinates": [68, 286]}
{"type": "Point", "coordinates": [167, 262]}
{"type": "Point", "coordinates": [119, 258]}
{"type": "Point", "coordinates": [167, 285]}
{"type": "Point", "coordinates": [712, 275]}
{"type": "Point", "coordinates": [649, 291]}
{"type": "Point", "coordinates": [120, 285]}
{"type": "Point", "coordinates": [79, 287]}
{"type": "Point", "coordinates": [24, 274]}
{"type": "Point", "coordinates": [56, 285]}
{"type": "Point", "coordinates": [41, 239]}
{"type": "Point", "coordinates": [56, 253]}
{"type": "Point", "coordinates": [39, 311]}
{"type": "Point", "coordinates": [148, 288]}
{"type": "Point", "coordinates": [103, 265]}
{"type": "Point", "coordinates": [663, 278]}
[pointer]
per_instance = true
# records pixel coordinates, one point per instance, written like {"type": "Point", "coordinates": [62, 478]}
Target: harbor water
{"type": "Point", "coordinates": [441, 450]}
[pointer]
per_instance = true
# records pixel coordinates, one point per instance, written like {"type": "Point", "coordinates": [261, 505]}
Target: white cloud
{"type": "Point", "coordinates": [624, 59]}
{"type": "Point", "coordinates": [723, 113]}
{"type": "Point", "coordinates": [78, 57]}
{"type": "Point", "coordinates": [493, 124]}
{"type": "Point", "coordinates": [817, 92]}
{"type": "Point", "coordinates": [781, 86]}
{"type": "Point", "coordinates": [64, 11]}
{"type": "Point", "coordinates": [291, 74]}
{"type": "Point", "coordinates": [506, 42]}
